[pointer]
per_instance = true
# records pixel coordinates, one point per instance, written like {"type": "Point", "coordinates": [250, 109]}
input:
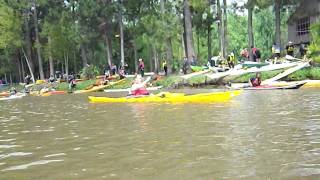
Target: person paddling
{"type": "Point", "coordinates": [255, 81]}
{"type": "Point", "coordinates": [138, 87]}
{"type": "Point", "coordinates": [13, 91]}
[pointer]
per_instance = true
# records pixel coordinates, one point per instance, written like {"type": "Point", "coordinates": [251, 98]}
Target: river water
{"type": "Point", "coordinates": [257, 135]}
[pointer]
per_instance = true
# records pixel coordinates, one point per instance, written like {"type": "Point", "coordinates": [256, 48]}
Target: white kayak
{"type": "Point", "coordinates": [16, 96]}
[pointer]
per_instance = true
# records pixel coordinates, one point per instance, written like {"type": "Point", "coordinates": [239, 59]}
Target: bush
{"type": "Point", "coordinates": [89, 72]}
{"type": "Point", "coordinates": [314, 48]}
{"type": "Point", "coordinates": [299, 75]}
{"type": "Point", "coordinates": [168, 81]}
{"type": "Point", "coordinates": [197, 79]}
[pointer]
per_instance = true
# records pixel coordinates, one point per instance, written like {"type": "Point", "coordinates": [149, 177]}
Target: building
{"type": "Point", "coordinates": [306, 14]}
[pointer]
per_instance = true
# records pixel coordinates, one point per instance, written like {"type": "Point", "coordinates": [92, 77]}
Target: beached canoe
{"type": "Point", "coordinates": [97, 88]}
{"type": "Point", "coordinates": [166, 97]}
{"type": "Point", "coordinates": [273, 87]}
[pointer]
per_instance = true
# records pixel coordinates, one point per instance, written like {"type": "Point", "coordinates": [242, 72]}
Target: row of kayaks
{"type": "Point", "coordinates": [168, 97]}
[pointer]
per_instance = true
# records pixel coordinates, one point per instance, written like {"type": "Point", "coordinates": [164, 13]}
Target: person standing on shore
{"type": "Point", "coordinates": [141, 67]}
{"type": "Point", "coordinates": [165, 67]}
{"type": "Point", "coordinates": [290, 49]}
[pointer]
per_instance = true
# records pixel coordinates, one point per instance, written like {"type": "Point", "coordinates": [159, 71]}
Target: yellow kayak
{"type": "Point", "coordinates": [167, 97]}
{"type": "Point", "coordinates": [97, 88]}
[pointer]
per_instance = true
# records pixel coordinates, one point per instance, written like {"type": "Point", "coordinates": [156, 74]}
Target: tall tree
{"type": "Point", "coordinates": [169, 53]}
{"type": "Point", "coordinates": [188, 30]}
{"type": "Point", "coordinates": [250, 6]}
{"type": "Point", "coordinates": [277, 8]}
{"type": "Point", "coordinates": [225, 32]}
{"type": "Point", "coordinates": [121, 37]}
{"type": "Point", "coordinates": [38, 45]}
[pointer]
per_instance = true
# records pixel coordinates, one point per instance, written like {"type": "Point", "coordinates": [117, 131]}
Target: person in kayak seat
{"type": "Point", "coordinates": [138, 87]}
{"type": "Point", "coordinates": [255, 81]}
{"type": "Point", "coordinates": [13, 91]}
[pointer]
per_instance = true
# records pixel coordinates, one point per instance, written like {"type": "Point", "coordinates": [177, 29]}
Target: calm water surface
{"type": "Point", "coordinates": [257, 135]}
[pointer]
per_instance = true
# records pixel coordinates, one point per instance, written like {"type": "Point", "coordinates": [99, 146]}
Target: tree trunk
{"type": "Point", "coordinates": [10, 76]}
{"type": "Point", "coordinates": [22, 68]}
{"type": "Point", "coordinates": [5, 78]}
{"type": "Point", "coordinates": [75, 62]}
{"type": "Point", "coordinates": [29, 66]}
{"type": "Point", "coordinates": [109, 49]}
{"type": "Point", "coordinates": [183, 45]}
{"type": "Point", "coordinates": [51, 65]}
{"type": "Point", "coordinates": [209, 42]}
{"type": "Point", "coordinates": [28, 46]}
{"type": "Point", "coordinates": [121, 38]}
{"type": "Point", "coordinates": [19, 68]}
{"type": "Point", "coordinates": [250, 33]}
{"type": "Point", "coordinates": [188, 31]}
{"type": "Point", "coordinates": [83, 56]}
{"type": "Point", "coordinates": [135, 51]}
{"type": "Point", "coordinates": [169, 55]}
{"type": "Point", "coordinates": [277, 6]}
{"type": "Point", "coordinates": [198, 42]}
{"type": "Point", "coordinates": [155, 58]}
{"type": "Point", "coordinates": [225, 24]}
{"type": "Point", "coordinates": [167, 40]}
{"type": "Point", "coordinates": [220, 30]}
{"type": "Point", "coordinates": [150, 59]}
{"type": "Point", "coordinates": [62, 69]}
{"type": "Point", "coordinates": [66, 63]}
{"type": "Point", "coordinates": [38, 47]}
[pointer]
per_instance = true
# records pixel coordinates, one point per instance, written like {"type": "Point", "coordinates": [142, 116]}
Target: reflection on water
{"type": "Point", "coordinates": [258, 135]}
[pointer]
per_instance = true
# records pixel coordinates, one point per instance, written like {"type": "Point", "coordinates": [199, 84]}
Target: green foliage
{"type": "Point", "coordinates": [168, 81]}
{"type": "Point", "coordinates": [197, 79]}
{"type": "Point", "coordinates": [306, 73]}
{"type": "Point", "coordinates": [64, 86]}
{"type": "Point", "coordinates": [314, 48]}
{"type": "Point", "coordinates": [9, 27]}
{"type": "Point", "coordinates": [123, 85]}
{"type": "Point", "coordinates": [89, 72]}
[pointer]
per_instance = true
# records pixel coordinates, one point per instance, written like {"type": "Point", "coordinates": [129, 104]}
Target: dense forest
{"type": "Point", "coordinates": [44, 36]}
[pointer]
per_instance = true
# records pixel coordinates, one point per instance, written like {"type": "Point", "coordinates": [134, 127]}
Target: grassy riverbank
{"type": "Point", "coordinates": [175, 81]}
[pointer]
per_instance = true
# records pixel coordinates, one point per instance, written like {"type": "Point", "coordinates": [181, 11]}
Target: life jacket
{"type": "Point", "coordinates": [255, 82]}
{"type": "Point", "coordinates": [231, 58]}
{"type": "Point", "coordinates": [290, 48]}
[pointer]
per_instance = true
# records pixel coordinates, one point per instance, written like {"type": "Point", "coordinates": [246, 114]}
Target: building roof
{"type": "Point", "coordinates": [306, 8]}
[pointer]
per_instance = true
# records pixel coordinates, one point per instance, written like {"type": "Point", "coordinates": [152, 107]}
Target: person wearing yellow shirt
{"type": "Point", "coordinates": [165, 67]}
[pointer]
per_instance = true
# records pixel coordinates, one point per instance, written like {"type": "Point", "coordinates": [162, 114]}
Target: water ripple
{"type": "Point", "coordinates": [26, 166]}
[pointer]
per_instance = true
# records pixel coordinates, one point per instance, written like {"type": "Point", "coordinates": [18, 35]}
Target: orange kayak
{"type": "Point", "coordinates": [4, 93]}
{"type": "Point", "coordinates": [53, 93]}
